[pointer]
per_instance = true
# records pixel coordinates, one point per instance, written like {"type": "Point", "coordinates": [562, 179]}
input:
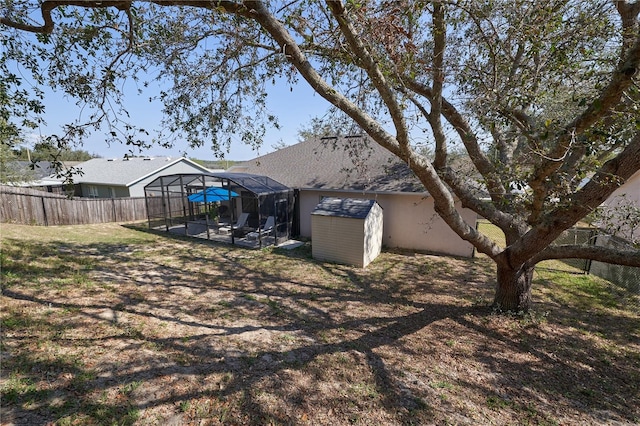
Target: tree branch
{"type": "Point", "coordinates": [600, 254]}
{"type": "Point", "coordinates": [462, 127]}
{"type": "Point", "coordinates": [629, 15]}
{"type": "Point", "coordinates": [610, 176]}
{"type": "Point", "coordinates": [370, 65]}
{"type": "Point", "coordinates": [49, 5]}
{"type": "Point", "coordinates": [295, 55]}
{"type": "Point", "coordinates": [621, 80]}
{"type": "Point", "coordinates": [108, 69]}
{"type": "Point", "coordinates": [439, 37]}
{"type": "Point", "coordinates": [511, 225]}
{"type": "Point", "coordinates": [443, 199]}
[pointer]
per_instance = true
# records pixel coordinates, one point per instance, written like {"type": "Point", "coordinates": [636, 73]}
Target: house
{"type": "Point", "coordinates": [37, 175]}
{"type": "Point", "coordinates": [623, 219]}
{"type": "Point", "coordinates": [320, 168]}
{"type": "Point", "coordinates": [34, 170]}
{"type": "Point", "coordinates": [127, 177]}
{"type": "Point", "coordinates": [626, 201]}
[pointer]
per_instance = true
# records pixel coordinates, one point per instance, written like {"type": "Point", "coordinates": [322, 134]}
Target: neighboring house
{"type": "Point", "coordinates": [630, 190]}
{"type": "Point", "coordinates": [319, 169]}
{"type": "Point", "coordinates": [37, 175]}
{"type": "Point", "coordinates": [623, 202]}
{"type": "Point", "coordinates": [126, 177]}
{"type": "Point", "coordinates": [620, 215]}
{"type": "Point", "coordinates": [37, 170]}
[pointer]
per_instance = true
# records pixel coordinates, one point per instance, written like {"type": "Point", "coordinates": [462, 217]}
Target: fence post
{"type": "Point", "coordinates": [593, 240]}
{"type": "Point", "coordinates": [44, 211]}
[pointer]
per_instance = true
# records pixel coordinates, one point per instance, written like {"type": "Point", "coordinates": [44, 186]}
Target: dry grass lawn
{"type": "Point", "coordinates": [106, 324]}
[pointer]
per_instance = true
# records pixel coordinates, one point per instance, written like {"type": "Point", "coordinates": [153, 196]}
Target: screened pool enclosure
{"type": "Point", "coordinates": [237, 208]}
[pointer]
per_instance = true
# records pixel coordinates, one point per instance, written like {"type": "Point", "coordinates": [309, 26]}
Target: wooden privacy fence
{"type": "Point", "coordinates": [31, 207]}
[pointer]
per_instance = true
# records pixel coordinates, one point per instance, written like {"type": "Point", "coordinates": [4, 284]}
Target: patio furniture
{"type": "Point", "coordinates": [266, 229]}
{"type": "Point", "coordinates": [241, 223]}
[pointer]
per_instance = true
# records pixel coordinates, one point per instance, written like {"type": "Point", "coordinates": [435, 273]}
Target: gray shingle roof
{"type": "Point", "coordinates": [327, 164]}
{"type": "Point", "coordinates": [124, 172]}
{"type": "Point", "coordinates": [344, 207]}
{"type": "Point", "coordinates": [39, 169]}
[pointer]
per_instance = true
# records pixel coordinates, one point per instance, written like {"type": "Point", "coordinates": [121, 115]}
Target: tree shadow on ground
{"type": "Point", "coordinates": [190, 332]}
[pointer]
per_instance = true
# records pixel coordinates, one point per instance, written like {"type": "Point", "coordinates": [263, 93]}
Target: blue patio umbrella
{"type": "Point", "coordinates": [211, 194]}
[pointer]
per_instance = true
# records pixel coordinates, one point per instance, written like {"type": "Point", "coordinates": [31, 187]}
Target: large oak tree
{"type": "Point", "coordinates": [541, 94]}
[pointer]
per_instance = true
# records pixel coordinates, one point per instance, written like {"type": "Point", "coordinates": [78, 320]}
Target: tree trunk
{"type": "Point", "coordinates": [513, 290]}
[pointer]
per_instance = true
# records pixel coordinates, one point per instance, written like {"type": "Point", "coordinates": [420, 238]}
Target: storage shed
{"type": "Point", "coordinates": [346, 230]}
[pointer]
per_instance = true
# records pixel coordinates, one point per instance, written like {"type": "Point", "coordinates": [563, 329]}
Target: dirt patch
{"type": "Point", "coordinates": [146, 329]}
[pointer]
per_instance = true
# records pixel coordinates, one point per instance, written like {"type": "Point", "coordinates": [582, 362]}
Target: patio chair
{"type": "Point", "coordinates": [265, 230]}
{"type": "Point", "coordinates": [240, 223]}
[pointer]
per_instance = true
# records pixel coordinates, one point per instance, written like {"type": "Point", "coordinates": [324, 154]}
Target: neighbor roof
{"type": "Point", "coordinates": [327, 164]}
{"type": "Point", "coordinates": [39, 169]}
{"type": "Point", "coordinates": [42, 173]}
{"type": "Point", "coordinates": [126, 172]}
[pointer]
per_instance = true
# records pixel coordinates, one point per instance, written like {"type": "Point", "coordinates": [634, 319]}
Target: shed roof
{"type": "Point", "coordinates": [355, 208]}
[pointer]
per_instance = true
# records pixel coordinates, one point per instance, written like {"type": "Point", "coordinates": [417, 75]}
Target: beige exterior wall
{"type": "Point", "coordinates": [630, 190]}
{"type": "Point", "coordinates": [373, 232]}
{"type": "Point", "coordinates": [410, 221]}
{"type": "Point", "coordinates": [338, 239]}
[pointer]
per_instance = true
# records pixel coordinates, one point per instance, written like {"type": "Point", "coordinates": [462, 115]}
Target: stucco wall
{"type": "Point", "coordinates": [627, 193]}
{"type": "Point", "coordinates": [630, 190]}
{"type": "Point", "coordinates": [410, 221]}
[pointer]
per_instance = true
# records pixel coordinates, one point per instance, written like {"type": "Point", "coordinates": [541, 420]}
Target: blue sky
{"type": "Point", "coordinates": [293, 108]}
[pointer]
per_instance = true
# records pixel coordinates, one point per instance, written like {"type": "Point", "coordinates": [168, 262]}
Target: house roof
{"type": "Point", "coordinates": [39, 169]}
{"type": "Point", "coordinates": [328, 164]}
{"type": "Point", "coordinates": [126, 171]}
{"type": "Point", "coordinates": [344, 207]}
{"type": "Point", "coordinates": [39, 173]}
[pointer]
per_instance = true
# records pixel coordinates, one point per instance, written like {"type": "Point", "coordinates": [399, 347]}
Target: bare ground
{"type": "Point", "coordinates": [111, 325]}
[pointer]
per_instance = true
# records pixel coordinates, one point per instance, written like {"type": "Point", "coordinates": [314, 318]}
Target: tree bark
{"type": "Point", "coordinates": [513, 289]}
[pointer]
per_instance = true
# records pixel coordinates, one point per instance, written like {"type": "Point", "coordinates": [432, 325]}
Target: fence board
{"type": "Point", "coordinates": [31, 207]}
